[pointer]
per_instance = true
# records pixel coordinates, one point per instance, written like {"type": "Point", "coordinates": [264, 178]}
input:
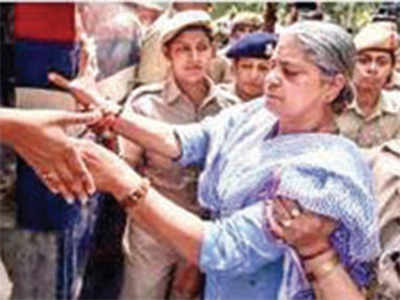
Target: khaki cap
{"type": "Point", "coordinates": [376, 36]}
{"type": "Point", "coordinates": [247, 18]}
{"type": "Point", "coordinates": [182, 20]}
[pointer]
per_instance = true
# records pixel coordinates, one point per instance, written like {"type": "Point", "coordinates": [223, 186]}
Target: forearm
{"type": "Point", "coordinates": [331, 280]}
{"type": "Point", "coordinates": [181, 229]}
{"type": "Point", "coordinates": [338, 285]}
{"type": "Point", "coordinates": [148, 133]}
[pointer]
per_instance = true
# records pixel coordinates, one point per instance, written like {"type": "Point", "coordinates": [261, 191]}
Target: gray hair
{"type": "Point", "coordinates": [332, 50]}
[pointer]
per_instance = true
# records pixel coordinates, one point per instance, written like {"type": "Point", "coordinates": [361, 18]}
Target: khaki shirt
{"type": "Point", "coordinates": [385, 163]}
{"type": "Point", "coordinates": [164, 101]}
{"type": "Point", "coordinates": [383, 125]}
{"type": "Point", "coordinates": [153, 66]}
{"type": "Point", "coordinates": [231, 88]}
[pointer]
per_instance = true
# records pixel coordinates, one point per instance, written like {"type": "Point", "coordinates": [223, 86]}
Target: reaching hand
{"type": "Point", "coordinates": [85, 92]}
{"type": "Point", "coordinates": [40, 139]}
{"type": "Point", "coordinates": [111, 174]}
{"type": "Point", "coordinates": [83, 89]}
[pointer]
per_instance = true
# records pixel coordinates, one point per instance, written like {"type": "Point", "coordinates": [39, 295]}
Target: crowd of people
{"type": "Point", "coordinates": [266, 168]}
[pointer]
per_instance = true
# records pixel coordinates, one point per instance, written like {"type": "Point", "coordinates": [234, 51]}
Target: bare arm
{"type": "Point", "coordinates": [224, 242]}
{"type": "Point", "coordinates": [150, 134]}
{"type": "Point", "coordinates": [186, 236]}
{"type": "Point", "coordinates": [308, 234]}
{"type": "Point", "coordinates": [331, 280]}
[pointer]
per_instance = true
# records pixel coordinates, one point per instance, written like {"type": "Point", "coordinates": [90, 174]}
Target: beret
{"type": "Point", "coordinates": [255, 45]}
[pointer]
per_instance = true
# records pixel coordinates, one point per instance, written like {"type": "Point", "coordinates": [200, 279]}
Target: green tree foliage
{"type": "Point", "coordinates": [351, 15]}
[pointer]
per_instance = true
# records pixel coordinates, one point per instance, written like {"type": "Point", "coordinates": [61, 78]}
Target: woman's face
{"type": "Point", "coordinates": [189, 54]}
{"type": "Point", "coordinates": [294, 87]}
{"type": "Point", "coordinates": [372, 69]}
{"type": "Point", "coordinates": [249, 76]}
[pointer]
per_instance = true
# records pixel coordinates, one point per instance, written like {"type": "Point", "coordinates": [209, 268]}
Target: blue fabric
{"type": "Point", "coordinates": [40, 210]}
{"type": "Point", "coordinates": [246, 162]}
{"type": "Point", "coordinates": [253, 45]}
{"type": "Point", "coordinates": [33, 61]}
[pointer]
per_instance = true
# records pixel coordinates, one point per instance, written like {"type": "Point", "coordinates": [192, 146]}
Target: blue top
{"type": "Point", "coordinates": [240, 153]}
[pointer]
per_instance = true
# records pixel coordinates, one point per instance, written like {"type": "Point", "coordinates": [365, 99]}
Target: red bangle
{"type": "Point", "coordinates": [316, 254]}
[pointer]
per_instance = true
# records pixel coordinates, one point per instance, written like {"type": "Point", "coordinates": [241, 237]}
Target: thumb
{"type": "Point", "coordinates": [74, 118]}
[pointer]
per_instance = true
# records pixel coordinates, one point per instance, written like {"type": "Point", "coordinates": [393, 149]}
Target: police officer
{"type": "Point", "coordinates": [243, 23]}
{"type": "Point", "coordinates": [152, 67]}
{"type": "Point", "coordinates": [187, 95]}
{"type": "Point", "coordinates": [250, 63]}
{"type": "Point", "coordinates": [385, 163]}
{"type": "Point", "coordinates": [374, 117]}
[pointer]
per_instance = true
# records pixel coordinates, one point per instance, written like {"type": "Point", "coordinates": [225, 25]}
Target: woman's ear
{"type": "Point", "coordinates": [336, 84]}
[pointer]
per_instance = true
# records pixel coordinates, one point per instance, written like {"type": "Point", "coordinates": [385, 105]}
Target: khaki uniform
{"type": "Point", "coordinates": [153, 66]}
{"type": "Point", "coordinates": [385, 163]}
{"type": "Point", "coordinates": [149, 263]}
{"type": "Point", "coordinates": [381, 126]}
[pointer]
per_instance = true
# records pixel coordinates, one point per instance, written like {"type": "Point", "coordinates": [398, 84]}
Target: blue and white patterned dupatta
{"type": "Point", "coordinates": [332, 181]}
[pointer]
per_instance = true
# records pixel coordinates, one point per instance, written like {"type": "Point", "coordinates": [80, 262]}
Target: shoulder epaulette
{"type": "Point", "coordinates": [147, 89]}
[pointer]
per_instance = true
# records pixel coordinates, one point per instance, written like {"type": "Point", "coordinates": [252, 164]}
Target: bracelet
{"type": "Point", "coordinates": [119, 111]}
{"type": "Point", "coordinates": [316, 254]}
{"type": "Point", "coordinates": [137, 196]}
{"type": "Point", "coordinates": [321, 270]}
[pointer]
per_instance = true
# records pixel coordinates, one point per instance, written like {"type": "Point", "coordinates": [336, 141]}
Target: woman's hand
{"type": "Point", "coordinates": [308, 233]}
{"type": "Point", "coordinates": [85, 92]}
{"type": "Point", "coordinates": [111, 174]}
{"type": "Point", "coordinates": [39, 137]}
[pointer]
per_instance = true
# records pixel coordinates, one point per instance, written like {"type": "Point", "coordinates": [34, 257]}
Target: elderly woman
{"type": "Point", "coordinates": [248, 159]}
{"type": "Point", "coordinates": [186, 96]}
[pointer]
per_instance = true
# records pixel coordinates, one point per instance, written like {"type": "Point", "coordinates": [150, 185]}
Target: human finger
{"type": "Point", "coordinates": [85, 182]}
{"type": "Point", "coordinates": [276, 229]}
{"type": "Point", "coordinates": [78, 177]}
{"type": "Point", "coordinates": [72, 185]}
{"type": "Point", "coordinates": [47, 178]}
{"type": "Point", "coordinates": [280, 213]}
{"type": "Point", "coordinates": [292, 207]}
{"type": "Point", "coordinates": [75, 118]}
{"type": "Point", "coordinates": [59, 80]}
